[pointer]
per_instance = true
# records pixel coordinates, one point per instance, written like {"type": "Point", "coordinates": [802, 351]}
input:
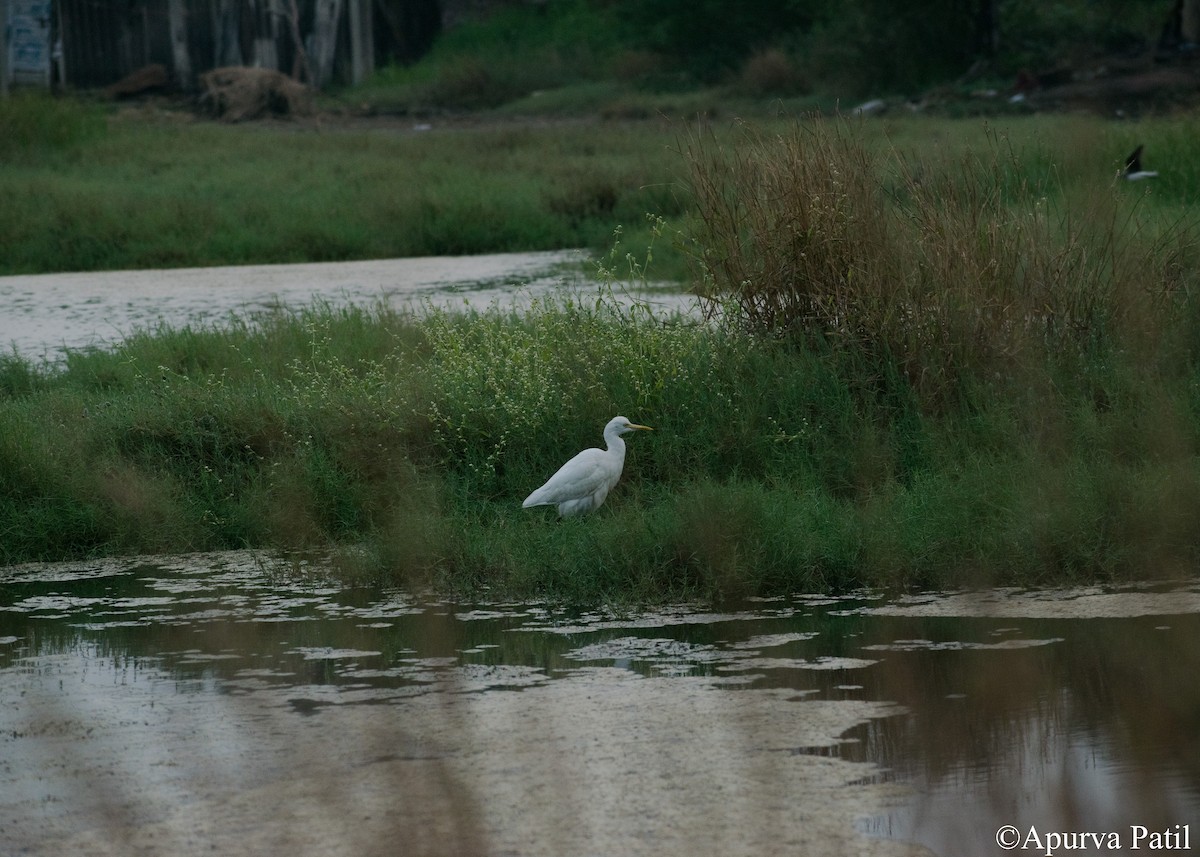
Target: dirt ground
{"type": "Point", "coordinates": [1119, 88]}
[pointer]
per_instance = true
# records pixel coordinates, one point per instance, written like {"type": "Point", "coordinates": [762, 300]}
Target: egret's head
{"type": "Point", "coordinates": [621, 425]}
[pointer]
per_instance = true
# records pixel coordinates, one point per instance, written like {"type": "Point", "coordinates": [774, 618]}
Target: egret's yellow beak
{"type": "Point", "coordinates": [643, 428]}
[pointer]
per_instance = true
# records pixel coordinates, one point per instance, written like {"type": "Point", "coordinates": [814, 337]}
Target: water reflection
{"type": "Point", "coordinates": [1099, 730]}
{"type": "Point", "coordinates": [251, 676]}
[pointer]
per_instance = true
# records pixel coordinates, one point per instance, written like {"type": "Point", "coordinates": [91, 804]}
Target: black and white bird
{"type": "Point", "coordinates": [1133, 167]}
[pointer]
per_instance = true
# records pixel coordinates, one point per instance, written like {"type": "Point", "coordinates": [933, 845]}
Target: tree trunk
{"type": "Point", "coordinates": [3, 48]}
{"type": "Point", "coordinates": [1189, 23]}
{"type": "Point", "coordinates": [987, 27]}
{"type": "Point", "coordinates": [177, 22]}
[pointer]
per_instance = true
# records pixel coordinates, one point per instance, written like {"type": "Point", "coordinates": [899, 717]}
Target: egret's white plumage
{"type": "Point", "coordinates": [582, 483]}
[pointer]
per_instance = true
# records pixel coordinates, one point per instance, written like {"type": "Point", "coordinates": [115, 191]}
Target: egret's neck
{"type": "Point", "coordinates": [616, 446]}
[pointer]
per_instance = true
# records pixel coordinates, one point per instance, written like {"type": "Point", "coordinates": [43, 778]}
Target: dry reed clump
{"type": "Point", "coordinates": [945, 270]}
{"type": "Point", "coordinates": [238, 94]}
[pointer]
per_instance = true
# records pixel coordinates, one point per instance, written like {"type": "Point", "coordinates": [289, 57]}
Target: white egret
{"type": "Point", "coordinates": [582, 483]}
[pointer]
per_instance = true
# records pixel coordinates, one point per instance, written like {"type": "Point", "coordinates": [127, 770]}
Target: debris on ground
{"type": "Point", "coordinates": [238, 94]}
{"type": "Point", "coordinates": [147, 79]}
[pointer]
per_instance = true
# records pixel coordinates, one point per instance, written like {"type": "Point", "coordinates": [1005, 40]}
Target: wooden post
{"type": "Point", "coordinates": [324, 38]}
{"type": "Point", "coordinates": [301, 67]}
{"type": "Point", "coordinates": [266, 35]}
{"type": "Point", "coordinates": [3, 48]}
{"type": "Point", "coordinates": [362, 41]}
{"type": "Point", "coordinates": [226, 38]}
{"type": "Point", "coordinates": [178, 26]}
{"type": "Point", "coordinates": [60, 51]}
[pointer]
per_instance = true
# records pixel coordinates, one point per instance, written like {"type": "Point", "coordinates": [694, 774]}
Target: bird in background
{"type": "Point", "coordinates": [582, 483]}
{"type": "Point", "coordinates": [1133, 167]}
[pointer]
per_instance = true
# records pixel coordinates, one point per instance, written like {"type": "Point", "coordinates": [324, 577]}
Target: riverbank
{"type": "Point", "coordinates": [973, 368]}
{"type": "Point", "coordinates": [95, 190]}
{"type": "Point", "coordinates": [406, 445]}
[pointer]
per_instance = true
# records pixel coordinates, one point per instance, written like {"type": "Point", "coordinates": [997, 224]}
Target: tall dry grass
{"type": "Point", "coordinates": [961, 266]}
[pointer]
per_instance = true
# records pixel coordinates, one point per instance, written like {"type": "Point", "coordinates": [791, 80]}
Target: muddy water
{"type": "Point", "coordinates": [240, 704]}
{"type": "Point", "coordinates": [43, 314]}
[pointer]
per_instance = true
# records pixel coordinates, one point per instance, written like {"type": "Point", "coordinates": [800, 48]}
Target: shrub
{"type": "Point", "coordinates": [771, 73]}
{"type": "Point", "coordinates": [947, 271]}
{"type": "Point", "coordinates": [470, 84]}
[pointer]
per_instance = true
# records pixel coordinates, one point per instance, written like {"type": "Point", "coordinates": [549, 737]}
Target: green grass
{"type": "Point", "coordinates": [170, 195]}
{"type": "Point", "coordinates": [961, 265]}
{"type": "Point", "coordinates": [407, 445]}
{"type": "Point", "coordinates": [128, 192]}
{"type": "Point", "coordinates": [941, 354]}
{"type": "Point", "coordinates": [32, 123]}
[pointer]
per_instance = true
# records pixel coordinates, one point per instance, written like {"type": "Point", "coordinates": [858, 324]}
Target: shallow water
{"type": "Point", "coordinates": [252, 705]}
{"type": "Point", "coordinates": [47, 313]}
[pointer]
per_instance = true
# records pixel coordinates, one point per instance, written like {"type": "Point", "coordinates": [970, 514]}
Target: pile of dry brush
{"type": "Point", "coordinates": [237, 94]}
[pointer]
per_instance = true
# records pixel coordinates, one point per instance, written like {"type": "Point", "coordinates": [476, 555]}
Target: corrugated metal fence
{"type": "Point", "coordinates": [104, 40]}
{"type": "Point", "coordinates": [93, 43]}
{"type": "Point", "coordinates": [100, 41]}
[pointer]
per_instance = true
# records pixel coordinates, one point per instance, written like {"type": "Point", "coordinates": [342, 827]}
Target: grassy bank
{"type": "Point", "coordinates": [162, 191]}
{"type": "Point", "coordinates": [973, 362]}
{"type": "Point", "coordinates": [87, 191]}
{"type": "Point", "coordinates": [409, 446]}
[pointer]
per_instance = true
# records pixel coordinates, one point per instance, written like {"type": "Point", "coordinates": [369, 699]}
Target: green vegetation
{"type": "Point", "coordinates": [173, 194]}
{"type": "Point", "coordinates": [953, 268]}
{"type": "Point", "coordinates": [979, 368]}
{"type": "Point", "coordinates": [509, 53]}
{"type": "Point", "coordinates": [935, 353]}
{"type": "Point", "coordinates": [624, 57]}
{"type": "Point", "coordinates": [34, 124]}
